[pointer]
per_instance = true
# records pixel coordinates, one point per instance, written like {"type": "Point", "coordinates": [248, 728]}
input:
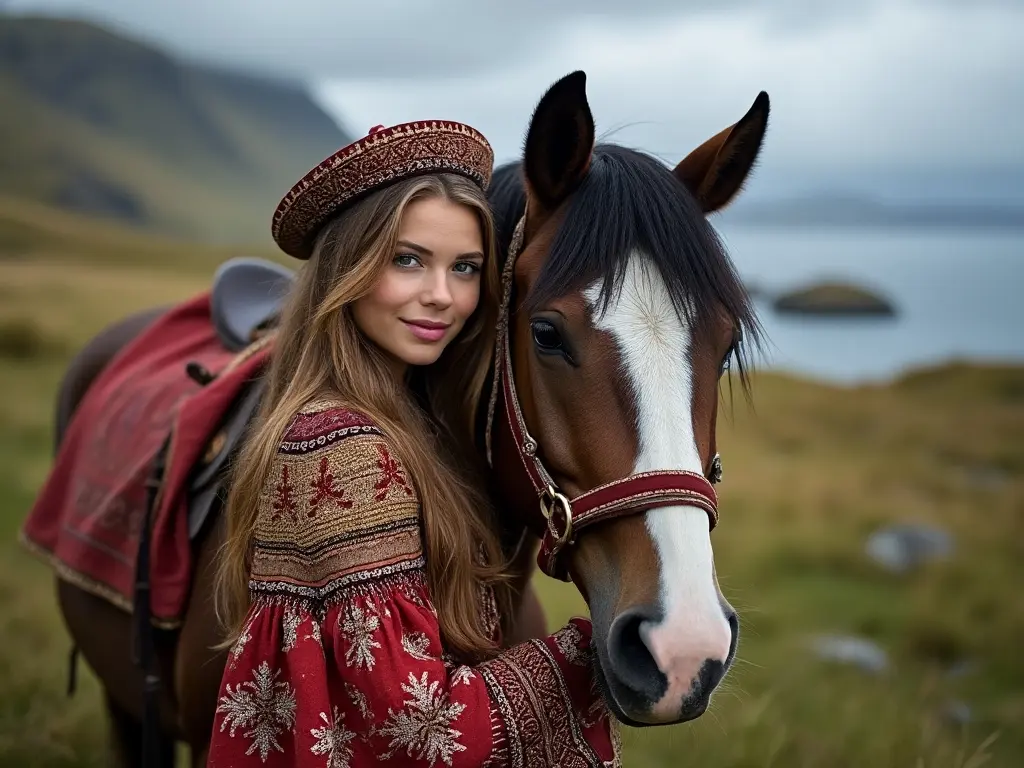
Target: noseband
{"type": "Point", "coordinates": [567, 517]}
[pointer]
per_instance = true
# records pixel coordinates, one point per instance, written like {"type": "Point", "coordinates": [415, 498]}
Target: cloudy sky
{"type": "Point", "coordinates": [921, 98]}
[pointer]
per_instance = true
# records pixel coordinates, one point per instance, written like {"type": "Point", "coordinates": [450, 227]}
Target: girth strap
{"type": "Point", "coordinates": [144, 630]}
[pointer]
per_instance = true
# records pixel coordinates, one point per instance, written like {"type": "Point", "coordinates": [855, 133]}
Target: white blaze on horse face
{"type": "Point", "coordinates": [654, 345]}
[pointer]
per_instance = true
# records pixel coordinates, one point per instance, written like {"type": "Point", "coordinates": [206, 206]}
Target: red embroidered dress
{"type": "Point", "coordinates": [340, 664]}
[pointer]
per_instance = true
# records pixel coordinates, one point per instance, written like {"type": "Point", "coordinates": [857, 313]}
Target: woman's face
{"type": "Point", "coordinates": [431, 285]}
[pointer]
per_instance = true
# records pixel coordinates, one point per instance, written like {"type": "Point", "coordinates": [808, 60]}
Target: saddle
{"type": "Point", "coordinates": [245, 300]}
{"type": "Point", "coordinates": [246, 296]}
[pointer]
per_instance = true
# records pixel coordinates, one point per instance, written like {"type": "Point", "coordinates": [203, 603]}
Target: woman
{"type": "Point", "coordinates": [362, 579]}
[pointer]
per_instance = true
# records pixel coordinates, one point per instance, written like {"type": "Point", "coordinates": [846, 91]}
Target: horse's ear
{"type": "Point", "coordinates": [715, 171]}
{"type": "Point", "coordinates": [558, 145]}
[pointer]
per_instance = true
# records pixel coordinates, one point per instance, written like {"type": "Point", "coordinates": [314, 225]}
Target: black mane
{"type": "Point", "coordinates": [630, 201]}
{"type": "Point", "coordinates": [508, 201]}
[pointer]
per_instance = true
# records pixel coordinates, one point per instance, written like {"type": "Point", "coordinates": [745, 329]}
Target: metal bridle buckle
{"type": "Point", "coordinates": [715, 475]}
{"type": "Point", "coordinates": [548, 499]}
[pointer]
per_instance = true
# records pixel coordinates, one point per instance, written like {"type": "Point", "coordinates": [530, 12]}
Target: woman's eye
{"type": "Point", "coordinates": [406, 260]}
{"type": "Point", "coordinates": [467, 268]}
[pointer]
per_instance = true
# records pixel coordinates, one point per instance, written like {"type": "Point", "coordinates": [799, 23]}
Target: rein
{"type": "Point", "coordinates": [567, 517]}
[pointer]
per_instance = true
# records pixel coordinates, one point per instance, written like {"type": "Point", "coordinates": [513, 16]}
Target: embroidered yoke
{"type": "Point", "coordinates": [340, 664]}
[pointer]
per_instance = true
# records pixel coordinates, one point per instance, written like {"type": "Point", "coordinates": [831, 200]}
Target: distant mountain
{"type": "Point", "coordinates": [839, 210]}
{"type": "Point", "coordinates": [100, 124]}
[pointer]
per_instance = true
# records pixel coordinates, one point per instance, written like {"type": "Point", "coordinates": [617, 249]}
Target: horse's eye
{"type": "Point", "coordinates": [546, 336]}
{"type": "Point", "coordinates": [734, 352]}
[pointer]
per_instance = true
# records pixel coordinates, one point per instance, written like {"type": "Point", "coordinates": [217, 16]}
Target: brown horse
{"type": "Point", "coordinates": [624, 313]}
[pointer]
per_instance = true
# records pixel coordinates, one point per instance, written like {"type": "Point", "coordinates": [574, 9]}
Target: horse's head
{"type": "Point", "coordinates": [624, 314]}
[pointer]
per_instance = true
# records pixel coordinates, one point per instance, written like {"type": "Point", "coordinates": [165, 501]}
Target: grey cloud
{"type": "Point", "coordinates": [860, 105]}
{"type": "Point", "coordinates": [389, 39]}
{"type": "Point", "coordinates": [859, 90]}
{"type": "Point", "coordinates": [384, 39]}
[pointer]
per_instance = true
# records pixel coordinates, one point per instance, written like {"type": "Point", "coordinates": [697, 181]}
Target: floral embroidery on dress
{"type": "Point", "coordinates": [243, 638]}
{"type": "Point", "coordinates": [284, 499]}
{"type": "Point", "coordinates": [358, 628]}
{"type": "Point", "coordinates": [568, 640]}
{"type": "Point", "coordinates": [416, 645]}
{"type": "Point", "coordinates": [332, 740]}
{"type": "Point", "coordinates": [390, 474]}
{"type": "Point", "coordinates": [489, 611]}
{"type": "Point", "coordinates": [359, 699]}
{"type": "Point", "coordinates": [461, 674]}
{"type": "Point", "coordinates": [265, 707]}
{"type": "Point", "coordinates": [314, 633]}
{"type": "Point", "coordinates": [424, 727]}
{"type": "Point", "coordinates": [415, 598]}
{"type": "Point", "coordinates": [324, 487]}
{"type": "Point", "coordinates": [598, 710]}
{"type": "Point", "coordinates": [290, 624]}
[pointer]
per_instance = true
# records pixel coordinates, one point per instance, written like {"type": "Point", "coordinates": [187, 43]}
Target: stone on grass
{"type": "Point", "coordinates": [902, 547]}
{"type": "Point", "coordinates": [857, 651]}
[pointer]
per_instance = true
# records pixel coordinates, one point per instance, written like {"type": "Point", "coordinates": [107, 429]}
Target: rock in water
{"type": "Point", "coordinates": [837, 299]}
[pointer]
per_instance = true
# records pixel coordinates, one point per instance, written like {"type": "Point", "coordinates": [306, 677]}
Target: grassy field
{"type": "Point", "coordinates": [810, 471]}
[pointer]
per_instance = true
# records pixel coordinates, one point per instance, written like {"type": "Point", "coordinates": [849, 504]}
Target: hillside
{"type": "Point", "coordinates": [103, 125]}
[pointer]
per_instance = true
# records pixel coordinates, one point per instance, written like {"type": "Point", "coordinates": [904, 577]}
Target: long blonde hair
{"type": "Point", "coordinates": [320, 352]}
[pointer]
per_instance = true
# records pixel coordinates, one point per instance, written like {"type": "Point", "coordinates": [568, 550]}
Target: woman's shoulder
{"type": "Point", "coordinates": [330, 448]}
{"type": "Point", "coordinates": [338, 504]}
{"type": "Point", "coordinates": [331, 452]}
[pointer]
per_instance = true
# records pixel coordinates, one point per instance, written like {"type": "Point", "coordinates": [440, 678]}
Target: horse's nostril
{"type": "Point", "coordinates": [630, 658]}
{"type": "Point", "coordinates": [734, 629]}
{"type": "Point", "coordinates": [711, 674]}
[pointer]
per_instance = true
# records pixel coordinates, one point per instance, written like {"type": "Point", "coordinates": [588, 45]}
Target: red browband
{"type": "Point", "coordinates": [567, 517]}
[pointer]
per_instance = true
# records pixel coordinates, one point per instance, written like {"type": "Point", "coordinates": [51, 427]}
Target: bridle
{"type": "Point", "coordinates": [567, 517]}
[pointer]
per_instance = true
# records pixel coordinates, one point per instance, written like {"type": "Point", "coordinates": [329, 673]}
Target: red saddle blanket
{"type": "Point", "coordinates": [88, 515]}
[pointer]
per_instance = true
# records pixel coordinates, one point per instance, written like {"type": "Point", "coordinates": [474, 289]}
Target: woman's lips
{"type": "Point", "coordinates": [427, 330]}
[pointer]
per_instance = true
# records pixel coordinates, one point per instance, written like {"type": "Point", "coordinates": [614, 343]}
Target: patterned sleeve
{"type": "Point", "coordinates": [340, 663]}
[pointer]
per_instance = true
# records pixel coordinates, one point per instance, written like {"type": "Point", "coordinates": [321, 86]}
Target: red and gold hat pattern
{"type": "Point", "coordinates": [383, 156]}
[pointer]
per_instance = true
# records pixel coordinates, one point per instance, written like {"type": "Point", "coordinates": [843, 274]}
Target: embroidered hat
{"type": "Point", "coordinates": [383, 156]}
